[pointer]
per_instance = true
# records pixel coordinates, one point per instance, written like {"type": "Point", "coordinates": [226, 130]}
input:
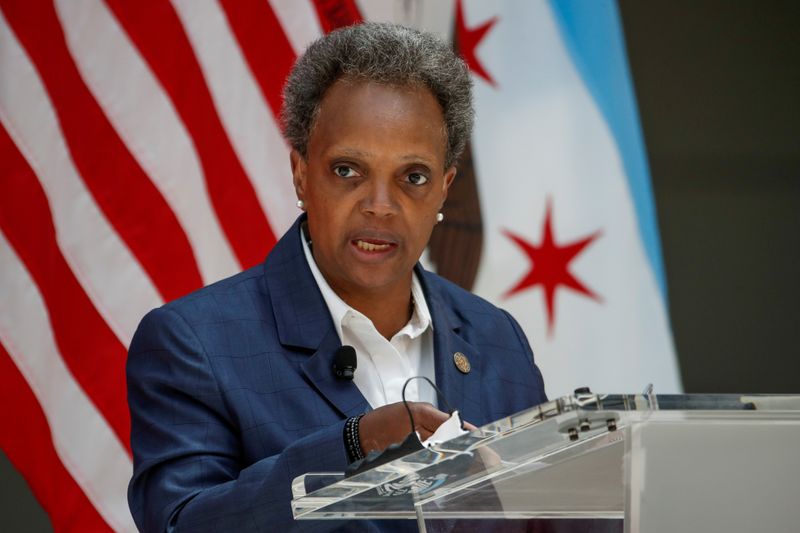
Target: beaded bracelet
{"type": "Point", "coordinates": [351, 438]}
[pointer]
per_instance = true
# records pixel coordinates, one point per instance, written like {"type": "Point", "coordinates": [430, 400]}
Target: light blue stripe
{"type": "Point", "coordinates": [593, 36]}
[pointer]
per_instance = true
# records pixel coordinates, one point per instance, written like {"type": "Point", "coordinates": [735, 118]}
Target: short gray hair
{"type": "Point", "coordinates": [381, 53]}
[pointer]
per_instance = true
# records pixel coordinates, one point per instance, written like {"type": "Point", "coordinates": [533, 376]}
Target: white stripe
{"type": "Point", "coordinates": [247, 118]}
{"type": "Point", "coordinates": [435, 17]}
{"type": "Point", "coordinates": [84, 442]}
{"type": "Point", "coordinates": [299, 21]}
{"type": "Point", "coordinates": [397, 11]}
{"type": "Point", "coordinates": [105, 268]}
{"type": "Point", "coordinates": [145, 119]}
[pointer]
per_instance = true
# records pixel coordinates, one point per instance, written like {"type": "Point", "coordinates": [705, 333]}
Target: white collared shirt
{"type": "Point", "coordinates": [384, 365]}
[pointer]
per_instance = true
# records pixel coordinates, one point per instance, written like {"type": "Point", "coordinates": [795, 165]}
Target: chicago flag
{"type": "Point", "coordinates": [571, 246]}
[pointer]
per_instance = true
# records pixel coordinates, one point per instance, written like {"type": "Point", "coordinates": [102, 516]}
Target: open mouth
{"type": "Point", "coordinates": [372, 246]}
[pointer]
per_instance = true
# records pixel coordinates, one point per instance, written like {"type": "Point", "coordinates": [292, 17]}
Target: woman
{"type": "Point", "coordinates": [232, 389]}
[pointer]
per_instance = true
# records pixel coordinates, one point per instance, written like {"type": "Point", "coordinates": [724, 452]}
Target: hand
{"type": "Point", "coordinates": [390, 424]}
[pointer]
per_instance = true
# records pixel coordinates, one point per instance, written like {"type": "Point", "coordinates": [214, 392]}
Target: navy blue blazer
{"type": "Point", "coordinates": [232, 393]}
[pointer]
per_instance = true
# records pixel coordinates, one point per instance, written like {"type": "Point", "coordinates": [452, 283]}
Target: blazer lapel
{"type": "Point", "coordinates": [303, 321]}
{"type": "Point", "coordinates": [341, 393]}
{"type": "Point", "coordinates": [462, 391]}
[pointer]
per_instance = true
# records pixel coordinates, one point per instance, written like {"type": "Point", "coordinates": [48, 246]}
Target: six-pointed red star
{"type": "Point", "coordinates": [469, 39]}
{"type": "Point", "coordinates": [550, 266]}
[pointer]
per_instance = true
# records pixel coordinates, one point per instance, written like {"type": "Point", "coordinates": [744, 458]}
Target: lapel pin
{"type": "Point", "coordinates": [462, 363]}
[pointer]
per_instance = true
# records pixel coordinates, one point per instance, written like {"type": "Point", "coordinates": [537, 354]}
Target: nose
{"type": "Point", "coordinates": [379, 198]}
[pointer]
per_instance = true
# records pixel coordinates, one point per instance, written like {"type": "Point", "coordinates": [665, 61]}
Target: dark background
{"type": "Point", "coordinates": [718, 84]}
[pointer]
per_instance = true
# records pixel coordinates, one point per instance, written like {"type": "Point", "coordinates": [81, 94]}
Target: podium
{"type": "Point", "coordinates": [663, 463]}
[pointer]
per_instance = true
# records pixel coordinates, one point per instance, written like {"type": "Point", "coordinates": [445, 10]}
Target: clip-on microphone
{"type": "Point", "coordinates": [345, 363]}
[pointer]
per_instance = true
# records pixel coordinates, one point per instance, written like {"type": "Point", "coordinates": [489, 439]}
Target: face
{"type": "Point", "coordinates": [372, 182]}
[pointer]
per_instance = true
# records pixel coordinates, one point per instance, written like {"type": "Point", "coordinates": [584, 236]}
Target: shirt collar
{"type": "Point", "coordinates": [420, 318]}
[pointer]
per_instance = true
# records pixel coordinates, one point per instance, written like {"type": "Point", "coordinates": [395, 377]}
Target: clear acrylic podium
{"type": "Point", "coordinates": [666, 463]}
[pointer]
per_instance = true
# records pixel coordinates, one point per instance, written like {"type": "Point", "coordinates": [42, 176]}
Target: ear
{"type": "Point", "coordinates": [299, 169]}
{"type": "Point", "coordinates": [449, 176]}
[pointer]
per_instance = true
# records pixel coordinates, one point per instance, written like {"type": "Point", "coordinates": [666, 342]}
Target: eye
{"type": "Point", "coordinates": [344, 171]}
{"type": "Point", "coordinates": [417, 179]}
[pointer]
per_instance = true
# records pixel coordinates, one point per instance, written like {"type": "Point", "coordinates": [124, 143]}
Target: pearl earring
{"type": "Point", "coordinates": [300, 204]}
{"type": "Point", "coordinates": [439, 217]}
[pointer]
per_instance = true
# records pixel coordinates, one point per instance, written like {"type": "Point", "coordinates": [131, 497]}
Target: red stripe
{"type": "Point", "coordinates": [264, 45]}
{"type": "Point", "coordinates": [334, 14]}
{"type": "Point", "coordinates": [154, 26]}
{"type": "Point", "coordinates": [123, 191]}
{"type": "Point", "coordinates": [91, 351]}
{"type": "Point", "coordinates": [26, 440]}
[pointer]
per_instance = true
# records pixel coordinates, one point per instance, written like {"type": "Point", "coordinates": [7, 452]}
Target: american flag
{"type": "Point", "coordinates": [140, 158]}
